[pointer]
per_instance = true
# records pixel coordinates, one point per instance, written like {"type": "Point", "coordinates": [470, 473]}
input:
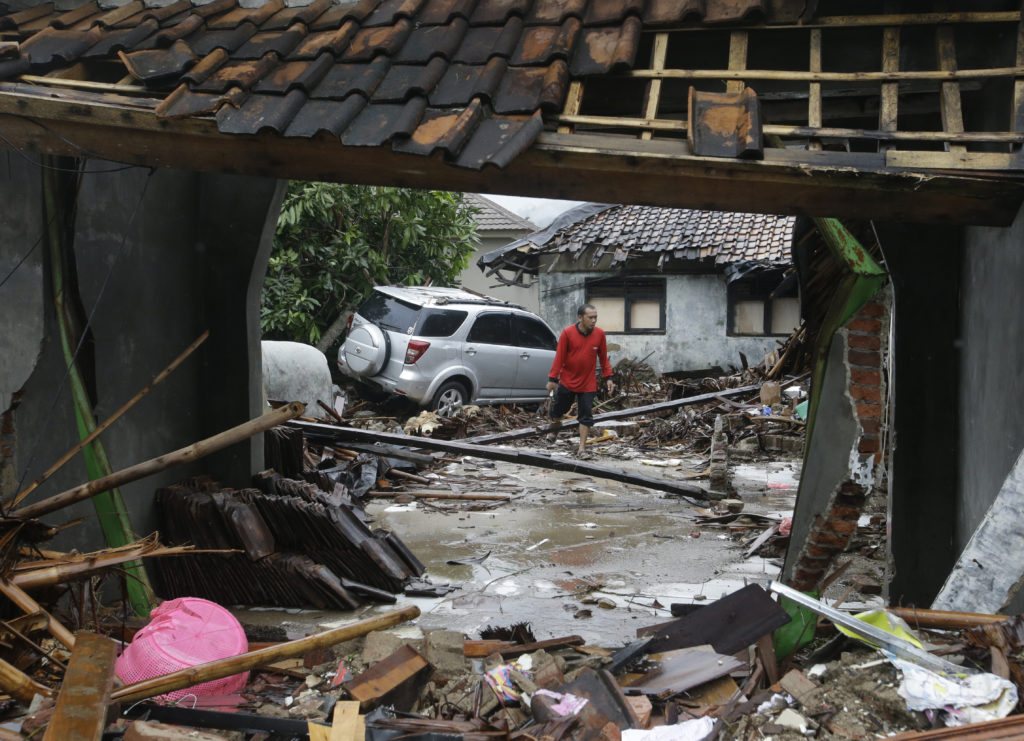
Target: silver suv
{"type": "Point", "coordinates": [445, 347]}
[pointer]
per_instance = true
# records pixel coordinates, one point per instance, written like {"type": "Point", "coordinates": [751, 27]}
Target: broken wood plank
{"type": "Point", "coordinates": [18, 596]}
{"type": "Point", "coordinates": [392, 451]}
{"type": "Point", "coordinates": [519, 649]}
{"type": "Point", "coordinates": [482, 648]}
{"type": "Point", "coordinates": [226, 667]}
{"type": "Point", "coordinates": [652, 95]}
{"type": "Point", "coordinates": [944, 619]}
{"type": "Point", "coordinates": [383, 680]}
{"type": "Point", "coordinates": [523, 457]}
{"type": "Point", "coordinates": [81, 710]}
{"type": "Point", "coordinates": [348, 724]}
{"type": "Point", "coordinates": [620, 414]}
{"type": "Point", "coordinates": [154, 465]}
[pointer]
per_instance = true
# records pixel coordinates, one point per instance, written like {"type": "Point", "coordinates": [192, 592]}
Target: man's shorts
{"type": "Point", "coordinates": [584, 401]}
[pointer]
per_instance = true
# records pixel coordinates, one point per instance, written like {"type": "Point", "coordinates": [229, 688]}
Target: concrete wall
{"type": "Point", "coordinates": [161, 257]}
{"type": "Point", "coordinates": [992, 355]}
{"type": "Point", "coordinates": [696, 318]}
{"type": "Point", "coordinates": [473, 277]}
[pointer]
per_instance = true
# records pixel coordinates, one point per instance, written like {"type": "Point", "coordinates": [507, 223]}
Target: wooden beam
{"type": "Point", "coordinates": [521, 457]}
{"type": "Point", "coordinates": [814, 117]}
{"type": "Point", "coordinates": [889, 106]}
{"type": "Point", "coordinates": [737, 60]}
{"type": "Point", "coordinates": [573, 101]}
{"type": "Point", "coordinates": [952, 112]}
{"type": "Point", "coordinates": [81, 710]}
{"type": "Point", "coordinates": [808, 76]}
{"type": "Point", "coordinates": [613, 169]}
{"type": "Point", "coordinates": [652, 96]}
{"type": "Point", "coordinates": [1017, 112]}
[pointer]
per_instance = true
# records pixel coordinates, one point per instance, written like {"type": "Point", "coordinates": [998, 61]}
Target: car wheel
{"type": "Point", "coordinates": [449, 398]}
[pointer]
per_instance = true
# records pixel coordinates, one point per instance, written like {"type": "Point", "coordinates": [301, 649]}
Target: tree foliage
{"type": "Point", "coordinates": [334, 243]}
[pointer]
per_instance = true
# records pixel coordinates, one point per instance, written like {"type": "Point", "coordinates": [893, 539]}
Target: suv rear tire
{"type": "Point", "coordinates": [449, 398]}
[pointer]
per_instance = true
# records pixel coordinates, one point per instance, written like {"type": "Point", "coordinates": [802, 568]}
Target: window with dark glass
{"type": "Point", "coordinates": [491, 329]}
{"type": "Point", "coordinates": [531, 332]}
{"type": "Point", "coordinates": [441, 322]}
{"type": "Point", "coordinates": [629, 305]}
{"type": "Point", "coordinates": [763, 304]}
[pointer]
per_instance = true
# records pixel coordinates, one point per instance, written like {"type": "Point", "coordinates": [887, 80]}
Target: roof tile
{"type": "Point", "coordinates": [334, 41]}
{"type": "Point", "coordinates": [279, 42]}
{"type": "Point", "coordinates": [261, 112]}
{"type": "Point", "coordinates": [369, 42]}
{"type": "Point", "coordinates": [497, 12]}
{"type": "Point", "coordinates": [403, 81]}
{"type": "Point", "coordinates": [541, 44]}
{"type": "Point", "coordinates": [480, 44]}
{"type": "Point", "coordinates": [604, 49]}
{"type": "Point", "coordinates": [305, 14]}
{"type": "Point", "coordinates": [427, 42]}
{"type": "Point", "coordinates": [500, 139]}
{"type": "Point", "coordinates": [377, 124]}
{"type": "Point", "coordinates": [463, 82]}
{"type": "Point", "coordinates": [256, 16]}
{"type": "Point", "coordinates": [240, 73]}
{"type": "Point", "coordinates": [525, 89]}
{"type": "Point", "coordinates": [114, 17]}
{"type": "Point", "coordinates": [439, 12]}
{"type": "Point", "coordinates": [342, 80]}
{"type": "Point", "coordinates": [555, 11]}
{"type": "Point", "coordinates": [325, 116]}
{"type": "Point", "coordinates": [389, 11]}
{"type": "Point", "coordinates": [52, 44]}
{"type": "Point", "coordinates": [339, 14]}
{"type": "Point", "coordinates": [154, 64]}
{"type": "Point", "coordinates": [446, 129]}
{"type": "Point", "coordinates": [229, 39]}
{"type": "Point", "coordinates": [24, 17]}
{"type": "Point", "coordinates": [604, 12]}
{"type": "Point", "coordinates": [305, 75]}
{"type": "Point", "coordinates": [123, 39]}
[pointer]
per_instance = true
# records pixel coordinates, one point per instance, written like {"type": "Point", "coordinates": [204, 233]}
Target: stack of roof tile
{"type": "Point", "coordinates": [469, 78]}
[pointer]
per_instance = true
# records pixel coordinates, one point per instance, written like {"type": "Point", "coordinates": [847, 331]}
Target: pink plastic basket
{"type": "Point", "coordinates": [185, 632]}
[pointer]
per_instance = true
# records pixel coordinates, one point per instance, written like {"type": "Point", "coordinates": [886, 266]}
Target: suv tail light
{"type": "Point", "coordinates": [348, 324]}
{"type": "Point", "coordinates": [415, 351]}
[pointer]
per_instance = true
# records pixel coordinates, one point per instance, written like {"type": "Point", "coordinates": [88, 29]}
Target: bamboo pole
{"type": "Point", "coordinates": [226, 667]}
{"type": "Point", "coordinates": [19, 685]}
{"type": "Point", "coordinates": [945, 620]}
{"type": "Point", "coordinates": [57, 574]}
{"type": "Point", "coordinates": [18, 596]}
{"type": "Point", "coordinates": [108, 421]}
{"type": "Point", "coordinates": [155, 465]}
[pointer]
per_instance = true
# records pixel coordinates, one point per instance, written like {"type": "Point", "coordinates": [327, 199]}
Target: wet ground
{"type": "Point", "coordinates": [570, 554]}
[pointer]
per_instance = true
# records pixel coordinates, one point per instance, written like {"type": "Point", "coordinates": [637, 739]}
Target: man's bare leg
{"type": "Point", "coordinates": [584, 434]}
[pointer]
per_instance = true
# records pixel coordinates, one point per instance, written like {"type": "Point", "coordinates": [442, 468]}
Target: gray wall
{"type": "Point", "coordinates": [992, 391]}
{"type": "Point", "coordinates": [696, 318]}
{"type": "Point", "coordinates": [161, 257]}
{"type": "Point", "coordinates": [473, 277]}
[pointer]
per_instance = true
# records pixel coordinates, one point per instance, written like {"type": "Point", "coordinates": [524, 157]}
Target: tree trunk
{"type": "Point", "coordinates": [334, 330]}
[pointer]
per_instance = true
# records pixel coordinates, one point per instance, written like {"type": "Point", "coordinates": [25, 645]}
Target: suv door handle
{"type": "Point", "coordinates": [470, 351]}
{"type": "Point", "coordinates": [524, 355]}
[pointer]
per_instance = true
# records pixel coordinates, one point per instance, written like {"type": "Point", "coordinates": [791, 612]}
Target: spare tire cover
{"type": "Point", "coordinates": [366, 350]}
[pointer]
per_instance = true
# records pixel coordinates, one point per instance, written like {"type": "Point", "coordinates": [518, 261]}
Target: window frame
{"type": "Point", "coordinates": [486, 315]}
{"type": "Point", "coordinates": [630, 289]}
{"type": "Point", "coordinates": [757, 288]}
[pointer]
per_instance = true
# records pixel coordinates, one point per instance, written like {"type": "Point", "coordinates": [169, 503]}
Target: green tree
{"type": "Point", "coordinates": [334, 243]}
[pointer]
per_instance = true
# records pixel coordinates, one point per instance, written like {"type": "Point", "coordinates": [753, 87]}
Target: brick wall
{"type": "Point", "coordinates": [866, 339]}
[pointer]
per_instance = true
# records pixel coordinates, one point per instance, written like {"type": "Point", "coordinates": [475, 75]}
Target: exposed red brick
{"type": "Point", "coordinates": [872, 309]}
{"type": "Point", "coordinates": [866, 377]}
{"type": "Point", "coordinates": [846, 513]}
{"type": "Point", "coordinates": [7, 424]}
{"type": "Point", "coordinates": [860, 324]}
{"type": "Point", "coordinates": [864, 357]}
{"type": "Point", "coordinates": [814, 551]}
{"type": "Point", "coordinates": [866, 393]}
{"type": "Point", "coordinates": [843, 527]}
{"type": "Point", "coordinates": [868, 444]}
{"type": "Point", "coordinates": [810, 577]}
{"type": "Point", "coordinates": [871, 426]}
{"type": "Point", "coordinates": [864, 341]}
{"type": "Point", "coordinates": [829, 539]}
{"type": "Point", "coordinates": [869, 410]}
{"type": "Point", "coordinates": [851, 495]}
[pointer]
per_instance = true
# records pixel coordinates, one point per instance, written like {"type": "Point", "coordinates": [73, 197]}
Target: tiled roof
{"type": "Point", "coordinates": [470, 79]}
{"type": "Point", "coordinates": [686, 234]}
{"type": "Point", "coordinates": [494, 218]}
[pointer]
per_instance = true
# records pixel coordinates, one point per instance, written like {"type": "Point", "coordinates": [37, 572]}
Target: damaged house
{"type": "Point", "coordinates": [495, 226]}
{"type": "Point", "coordinates": [683, 289]}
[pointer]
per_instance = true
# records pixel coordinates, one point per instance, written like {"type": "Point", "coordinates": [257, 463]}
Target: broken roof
{"type": "Point", "coordinates": [617, 100]}
{"type": "Point", "coordinates": [624, 232]}
{"type": "Point", "coordinates": [491, 217]}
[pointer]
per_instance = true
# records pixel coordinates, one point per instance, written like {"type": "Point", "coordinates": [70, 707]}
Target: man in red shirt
{"type": "Point", "coordinates": [580, 346]}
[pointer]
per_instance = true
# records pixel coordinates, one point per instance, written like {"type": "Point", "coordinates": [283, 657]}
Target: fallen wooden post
{"type": "Point", "coordinates": [332, 433]}
{"type": "Point", "coordinates": [154, 465]}
{"type": "Point", "coordinates": [19, 685]}
{"type": "Point", "coordinates": [607, 416]}
{"type": "Point", "coordinates": [226, 667]}
{"type": "Point", "coordinates": [18, 596]}
{"type": "Point", "coordinates": [386, 680]}
{"type": "Point", "coordinates": [81, 710]}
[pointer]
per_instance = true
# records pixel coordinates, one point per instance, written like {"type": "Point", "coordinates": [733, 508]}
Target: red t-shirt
{"type": "Point", "coordinates": [576, 359]}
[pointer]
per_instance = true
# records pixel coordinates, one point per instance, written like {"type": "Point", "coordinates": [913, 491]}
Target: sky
{"type": "Point", "coordinates": [538, 210]}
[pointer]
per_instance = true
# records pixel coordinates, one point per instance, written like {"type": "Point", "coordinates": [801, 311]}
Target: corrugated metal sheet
{"type": "Point", "coordinates": [470, 78]}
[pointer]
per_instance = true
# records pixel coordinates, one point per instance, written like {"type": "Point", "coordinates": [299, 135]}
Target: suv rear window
{"type": "Point", "coordinates": [441, 322]}
{"type": "Point", "coordinates": [390, 313]}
